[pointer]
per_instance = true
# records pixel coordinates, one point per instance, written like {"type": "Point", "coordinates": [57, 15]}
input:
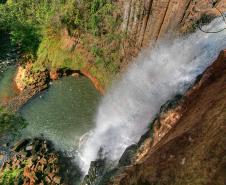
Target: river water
{"type": "Point", "coordinates": [7, 90]}
{"type": "Point", "coordinates": [63, 113]}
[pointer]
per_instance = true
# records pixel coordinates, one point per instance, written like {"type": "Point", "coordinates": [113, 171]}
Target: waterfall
{"type": "Point", "coordinates": [155, 76]}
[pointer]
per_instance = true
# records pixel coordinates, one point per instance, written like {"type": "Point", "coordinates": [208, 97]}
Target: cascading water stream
{"type": "Point", "coordinates": [155, 77]}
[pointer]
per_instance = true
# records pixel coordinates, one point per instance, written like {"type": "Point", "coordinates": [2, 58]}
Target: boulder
{"type": "Point", "coordinates": [57, 179]}
{"type": "Point", "coordinates": [76, 75]}
{"type": "Point", "coordinates": [41, 166]}
{"type": "Point", "coordinates": [29, 148]}
{"type": "Point", "coordinates": [127, 157]}
{"type": "Point", "coordinates": [54, 75]}
{"type": "Point", "coordinates": [20, 144]}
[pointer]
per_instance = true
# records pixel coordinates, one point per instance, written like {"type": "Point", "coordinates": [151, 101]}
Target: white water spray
{"type": "Point", "coordinates": [156, 76]}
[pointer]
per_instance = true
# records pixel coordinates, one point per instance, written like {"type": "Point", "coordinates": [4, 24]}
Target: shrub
{"type": "Point", "coordinates": [93, 16]}
{"type": "Point", "coordinates": [10, 122]}
{"type": "Point", "coordinates": [11, 177]}
{"type": "Point", "coordinates": [35, 27]}
{"type": "Point", "coordinates": [24, 21]}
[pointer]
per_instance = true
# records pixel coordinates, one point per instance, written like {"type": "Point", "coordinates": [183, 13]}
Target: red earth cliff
{"type": "Point", "coordinates": [189, 143]}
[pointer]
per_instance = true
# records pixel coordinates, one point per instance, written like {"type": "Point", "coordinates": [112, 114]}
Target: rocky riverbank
{"type": "Point", "coordinates": [28, 82]}
{"type": "Point", "coordinates": [35, 161]}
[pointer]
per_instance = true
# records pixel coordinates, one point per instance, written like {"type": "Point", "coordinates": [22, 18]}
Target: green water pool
{"type": "Point", "coordinates": [6, 84]}
{"type": "Point", "coordinates": [63, 113]}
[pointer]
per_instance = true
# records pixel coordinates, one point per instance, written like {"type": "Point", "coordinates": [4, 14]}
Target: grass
{"type": "Point", "coordinates": [53, 56]}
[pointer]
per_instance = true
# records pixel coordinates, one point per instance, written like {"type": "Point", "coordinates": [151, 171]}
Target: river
{"type": "Point", "coordinates": [63, 113]}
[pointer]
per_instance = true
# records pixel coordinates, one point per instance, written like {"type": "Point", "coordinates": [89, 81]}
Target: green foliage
{"type": "Point", "coordinates": [94, 23]}
{"type": "Point", "coordinates": [10, 122]}
{"type": "Point", "coordinates": [97, 51]}
{"type": "Point", "coordinates": [11, 177]}
{"type": "Point", "coordinates": [52, 56]}
{"type": "Point", "coordinates": [72, 15]}
{"type": "Point", "coordinates": [93, 16]}
{"type": "Point", "coordinates": [37, 28]}
{"type": "Point", "coordinates": [102, 20]}
{"type": "Point", "coordinates": [5, 45]}
{"type": "Point", "coordinates": [97, 12]}
{"type": "Point", "coordinates": [24, 21]}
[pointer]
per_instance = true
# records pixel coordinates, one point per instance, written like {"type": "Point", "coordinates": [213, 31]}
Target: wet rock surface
{"type": "Point", "coordinates": [35, 161]}
{"type": "Point", "coordinates": [56, 74]}
{"type": "Point", "coordinates": [98, 173]}
{"type": "Point", "coordinates": [95, 174]}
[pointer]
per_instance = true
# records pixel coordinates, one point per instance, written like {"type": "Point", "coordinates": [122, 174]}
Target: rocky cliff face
{"type": "Point", "coordinates": [148, 20]}
{"type": "Point", "coordinates": [188, 144]}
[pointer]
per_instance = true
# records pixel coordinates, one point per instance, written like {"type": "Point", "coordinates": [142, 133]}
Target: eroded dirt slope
{"type": "Point", "coordinates": [193, 151]}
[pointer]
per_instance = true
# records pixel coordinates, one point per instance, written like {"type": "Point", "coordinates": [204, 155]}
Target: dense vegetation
{"type": "Point", "coordinates": [66, 34]}
{"type": "Point", "coordinates": [24, 20]}
{"type": "Point", "coordinates": [11, 177]}
{"type": "Point", "coordinates": [10, 122]}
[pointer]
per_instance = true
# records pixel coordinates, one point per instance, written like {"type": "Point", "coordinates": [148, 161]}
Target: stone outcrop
{"type": "Point", "coordinates": [36, 162]}
{"type": "Point", "coordinates": [29, 82]}
{"type": "Point", "coordinates": [28, 77]}
{"type": "Point", "coordinates": [96, 171]}
{"type": "Point", "coordinates": [146, 21]}
{"type": "Point", "coordinates": [54, 75]}
{"type": "Point", "coordinates": [59, 73]}
{"type": "Point", "coordinates": [188, 142]}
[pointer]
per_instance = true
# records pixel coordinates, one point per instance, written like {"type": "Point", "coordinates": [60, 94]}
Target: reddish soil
{"type": "Point", "coordinates": [194, 149]}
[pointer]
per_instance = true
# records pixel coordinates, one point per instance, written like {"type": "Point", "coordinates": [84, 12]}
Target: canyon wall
{"type": "Point", "coordinates": [188, 143]}
{"type": "Point", "coordinates": [148, 20]}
